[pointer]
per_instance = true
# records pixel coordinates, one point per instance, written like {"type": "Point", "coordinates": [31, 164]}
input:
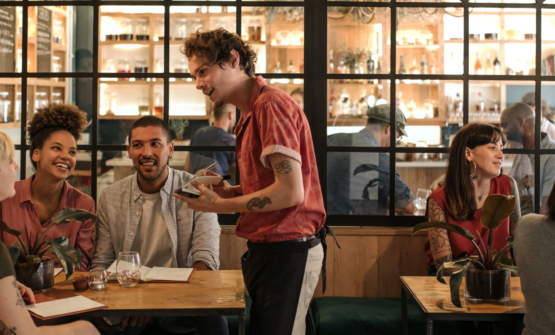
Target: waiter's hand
{"type": "Point", "coordinates": [222, 189]}
{"type": "Point", "coordinates": [26, 294]}
{"type": "Point", "coordinates": [207, 202]}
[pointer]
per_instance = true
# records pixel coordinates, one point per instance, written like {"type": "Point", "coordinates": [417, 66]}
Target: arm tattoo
{"type": "Point", "coordinates": [257, 202]}
{"type": "Point", "coordinates": [19, 301]}
{"type": "Point", "coordinates": [4, 330]}
{"type": "Point", "coordinates": [284, 167]}
{"type": "Point", "coordinates": [439, 238]}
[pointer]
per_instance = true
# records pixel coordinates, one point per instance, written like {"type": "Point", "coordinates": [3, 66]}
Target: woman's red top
{"type": "Point", "coordinates": [460, 245]}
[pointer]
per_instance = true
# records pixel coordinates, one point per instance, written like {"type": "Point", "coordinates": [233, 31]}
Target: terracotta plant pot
{"type": "Point", "coordinates": [487, 285]}
{"type": "Point", "coordinates": [41, 281]}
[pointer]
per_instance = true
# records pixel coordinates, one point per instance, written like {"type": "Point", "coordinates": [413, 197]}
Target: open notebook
{"type": "Point", "coordinates": [59, 303]}
{"type": "Point", "coordinates": [158, 274]}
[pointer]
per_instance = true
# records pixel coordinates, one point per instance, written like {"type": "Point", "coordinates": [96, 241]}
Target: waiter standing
{"type": "Point", "coordinates": [279, 197]}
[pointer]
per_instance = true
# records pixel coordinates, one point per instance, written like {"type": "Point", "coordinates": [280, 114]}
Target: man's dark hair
{"type": "Point", "coordinates": [147, 121]}
{"type": "Point", "coordinates": [297, 91]}
{"type": "Point", "coordinates": [216, 46]}
{"type": "Point", "coordinates": [221, 111]}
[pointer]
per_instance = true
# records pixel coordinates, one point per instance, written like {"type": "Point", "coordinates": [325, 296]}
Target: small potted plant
{"type": "Point", "coordinates": [487, 276]}
{"type": "Point", "coordinates": [30, 267]}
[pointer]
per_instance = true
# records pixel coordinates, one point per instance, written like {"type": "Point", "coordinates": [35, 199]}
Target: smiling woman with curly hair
{"type": "Point", "coordinates": [52, 134]}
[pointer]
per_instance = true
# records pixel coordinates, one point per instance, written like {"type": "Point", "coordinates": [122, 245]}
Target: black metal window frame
{"type": "Point", "coordinates": [315, 78]}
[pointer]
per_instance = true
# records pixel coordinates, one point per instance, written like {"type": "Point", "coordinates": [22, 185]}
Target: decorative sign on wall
{"type": "Point", "coordinates": [44, 40]}
{"type": "Point", "coordinates": [7, 39]}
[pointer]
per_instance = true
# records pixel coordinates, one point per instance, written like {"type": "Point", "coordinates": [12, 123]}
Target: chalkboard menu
{"type": "Point", "coordinates": [44, 39]}
{"type": "Point", "coordinates": [7, 39]}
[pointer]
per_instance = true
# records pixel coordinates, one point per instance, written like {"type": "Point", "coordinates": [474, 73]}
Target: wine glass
{"type": "Point", "coordinates": [97, 279]}
{"type": "Point", "coordinates": [421, 198]}
{"type": "Point", "coordinates": [128, 268]}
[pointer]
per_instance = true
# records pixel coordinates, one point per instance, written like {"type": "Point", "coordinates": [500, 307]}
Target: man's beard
{"type": "Point", "coordinates": [149, 178]}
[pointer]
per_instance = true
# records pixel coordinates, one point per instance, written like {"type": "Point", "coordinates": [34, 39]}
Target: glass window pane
{"type": "Point", "coordinates": [358, 183]}
{"type": "Point", "coordinates": [548, 42]}
{"type": "Point", "coordinates": [186, 20]}
{"type": "Point", "coordinates": [502, 41]}
{"type": "Point", "coordinates": [124, 100]}
{"type": "Point", "coordinates": [80, 178]}
{"type": "Point", "coordinates": [359, 40]}
{"type": "Point", "coordinates": [10, 108]}
{"type": "Point", "coordinates": [419, 41]}
{"type": "Point", "coordinates": [42, 91]}
{"type": "Point", "coordinates": [10, 44]}
{"type": "Point", "coordinates": [277, 36]}
{"type": "Point", "coordinates": [56, 43]}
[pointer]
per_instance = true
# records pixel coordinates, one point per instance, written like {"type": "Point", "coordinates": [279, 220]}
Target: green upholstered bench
{"type": "Point", "coordinates": [360, 316]}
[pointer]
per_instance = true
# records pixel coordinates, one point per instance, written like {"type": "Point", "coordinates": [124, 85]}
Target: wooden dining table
{"type": "Point", "coordinates": [434, 301]}
{"type": "Point", "coordinates": [208, 293]}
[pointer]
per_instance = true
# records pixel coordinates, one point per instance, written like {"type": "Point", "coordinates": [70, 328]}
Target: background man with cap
{"type": "Point", "coordinates": [547, 126]}
{"type": "Point", "coordinates": [358, 182]}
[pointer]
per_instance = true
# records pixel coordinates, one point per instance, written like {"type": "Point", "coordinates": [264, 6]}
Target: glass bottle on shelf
{"type": "Point", "coordinates": [109, 66]}
{"type": "Point", "coordinates": [58, 32]}
{"type": "Point", "coordinates": [291, 67]}
{"type": "Point", "coordinates": [433, 68]}
{"type": "Point", "coordinates": [126, 30]}
{"type": "Point", "coordinates": [424, 65]}
{"type": "Point", "coordinates": [488, 66]}
{"type": "Point", "coordinates": [123, 67]}
{"type": "Point", "coordinates": [496, 66]}
{"type": "Point", "coordinates": [142, 30]}
{"type": "Point", "coordinates": [480, 108]}
{"type": "Point", "coordinates": [301, 67]}
{"type": "Point", "coordinates": [378, 67]}
{"type": "Point", "coordinates": [344, 101]}
{"type": "Point", "coordinates": [458, 106]}
{"type": "Point", "coordinates": [56, 64]}
{"type": "Point", "coordinates": [362, 103]}
{"type": "Point", "coordinates": [196, 24]}
{"type": "Point", "coordinates": [332, 65]}
{"type": "Point", "coordinates": [277, 68]}
{"type": "Point", "coordinates": [5, 105]}
{"type": "Point", "coordinates": [414, 68]}
{"type": "Point", "coordinates": [159, 65]}
{"type": "Point", "coordinates": [110, 99]}
{"type": "Point", "coordinates": [402, 66]}
{"type": "Point", "coordinates": [180, 30]}
{"type": "Point", "coordinates": [158, 104]}
{"type": "Point", "coordinates": [182, 66]}
{"type": "Point", "coordinates": [143, 106]}
{"type": "Point", "coordinates": [160, 25]}
{"type": "Point", "coordinates": [478, 65]}
{"type": "Point", "coordinates": [255, 30]}
{"type": "Point", "coordinates": [370, 64]}
{"type": "Point", "coordinates": [141, 67]}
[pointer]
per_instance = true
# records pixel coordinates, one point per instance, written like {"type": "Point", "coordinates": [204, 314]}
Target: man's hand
{"type": "Point", "coordinates": [222, 189]}
{"type": "Point", "coordinates": [135, 321]}
{"type": "Point", "coordinates": [207, 202]}
{"type": "Point", "coordinates": [26, 294]}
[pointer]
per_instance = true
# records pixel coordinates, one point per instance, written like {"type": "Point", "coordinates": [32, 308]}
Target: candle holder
{"type": "Point", "coordinates": [97, 279]}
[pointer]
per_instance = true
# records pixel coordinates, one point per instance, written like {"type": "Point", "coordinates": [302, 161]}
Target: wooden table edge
{"type": "Point", "coordinates": [408, 290]}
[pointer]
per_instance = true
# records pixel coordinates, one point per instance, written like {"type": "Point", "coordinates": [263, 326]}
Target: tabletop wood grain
{"type": "Point", "coordinates": [435, 298]}
{"type": "Point", "coordinates": [209, 292]}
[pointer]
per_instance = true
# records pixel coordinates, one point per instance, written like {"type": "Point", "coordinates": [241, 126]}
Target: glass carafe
{"type": "Point", "coordinates": [126, 30]}
{"type": "Point", "coordinates": [142, 31]}
{"type": "Point", "coordinates": [160, 29]}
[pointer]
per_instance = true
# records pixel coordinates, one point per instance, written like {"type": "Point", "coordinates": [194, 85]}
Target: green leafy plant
{"type": "Point", "coordinates": [496, 209]}
{"type": "Point", "coordinates": [32, 254]}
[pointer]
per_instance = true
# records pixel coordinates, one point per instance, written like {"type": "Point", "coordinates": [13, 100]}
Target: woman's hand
{"type": "Point", "coordinates": [26, 294]}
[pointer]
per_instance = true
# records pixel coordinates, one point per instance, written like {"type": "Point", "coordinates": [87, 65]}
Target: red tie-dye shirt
{"type": "Point", "coordinates": [274, 123]}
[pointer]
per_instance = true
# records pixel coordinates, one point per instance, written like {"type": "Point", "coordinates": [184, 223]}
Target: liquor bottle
{"type": "Point", "coordinates": [333, 102]}
{"type": "Point", "coordinates": [344, 100]}
{"type": "Point", "coordinates": [424, 65]}
{"type": "Point", "coordinates": [458, 107]}
{"type": "Point", "coordinates": [480, 104]}
{"type": "Point", "coordinates": [414, 68]}
{"type": "Point", "coordinates": [496, 66]}
{"type": "Point", "coordinates": [478, 65]}
{"type": "Point", "coordinates": [301, 67]}
{"type": "Point", "coordinates": [291, 67]}
{"type": "Point", "coordinates": [402, 66]}
{"type": "Point", "coordinates": [332, 65]}
{"type": "Point", "coordinates": [362, 103]}
{"type": "Point", "coordinates": [488, 67]}
{"type": "Point", "coordinates": [370, 64]}
{"type": "Point", "coordinates": [341, 69]}
{"type": "Point", "coordinates": [277, 69]}
{"type": "Point", "coordinates": [433, 64]}
{"type": "Point", "coordinates": [378, 67]}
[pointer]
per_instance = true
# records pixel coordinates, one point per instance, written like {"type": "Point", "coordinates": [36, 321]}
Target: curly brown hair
{"type": "Point", "coordinates": [216, 46]}
{"type": "Point", "coordinates": [52, 118]}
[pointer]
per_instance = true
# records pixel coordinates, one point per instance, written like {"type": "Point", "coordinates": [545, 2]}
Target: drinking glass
{"type": "Point", "coordinates": [128, 268]}
{"type": "Point", "coordinates": [422, 198]}
{"type": "Point", "coordinates": [97, 279]}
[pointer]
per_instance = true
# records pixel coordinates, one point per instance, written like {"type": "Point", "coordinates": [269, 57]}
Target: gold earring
{"type": "Point", "coordinates": [471, 173]}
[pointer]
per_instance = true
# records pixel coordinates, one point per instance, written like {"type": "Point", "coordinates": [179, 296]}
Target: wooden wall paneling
{"type": "Point", "coordinates": [232, 248]}
{"type": "Point", "coordinates": [355, 272]}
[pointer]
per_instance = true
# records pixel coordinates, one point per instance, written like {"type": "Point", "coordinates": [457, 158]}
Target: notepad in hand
{"type": "Point", "coordinates": [189, 190]}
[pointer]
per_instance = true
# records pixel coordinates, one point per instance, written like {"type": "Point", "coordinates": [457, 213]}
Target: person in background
{"type": "Point", "coordinates": [533, 248]}
{"type": "Point", "coordinates": [517, 123]}
{"type": "Point", "coordinates": [139, 214]}
{"type": "Point", "coordinates": [547, 126]}
{"type": "Point", "coordinates": [53, 134]}
{"type": "Point", "coordinates": [14, 317]}
{"type": "Point", "coordinates": [358, 182]}
{"type": "Point", "coordinates": [298, 96]}
{"type": "Point", "coordinates": [216, 135]}
{"type": "Point", "coordinates": [280, 199]}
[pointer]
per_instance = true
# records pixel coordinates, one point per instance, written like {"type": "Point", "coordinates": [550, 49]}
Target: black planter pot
{"type": "Point", "coordinates": [487, 285]}
{"type": "Point", "coordinates": [41, 281]}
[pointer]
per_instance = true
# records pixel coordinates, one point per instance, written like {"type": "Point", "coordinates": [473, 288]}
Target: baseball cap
{"type": "Point", "coordinates": [381, 112]}
{"type": "Point", "coordinates": [530, 99]}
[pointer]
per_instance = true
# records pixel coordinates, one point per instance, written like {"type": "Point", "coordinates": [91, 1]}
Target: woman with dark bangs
{"type": "Point", "coordinates": [473, 173]}
{"type": "Point", "coordinates": [53, 133]}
